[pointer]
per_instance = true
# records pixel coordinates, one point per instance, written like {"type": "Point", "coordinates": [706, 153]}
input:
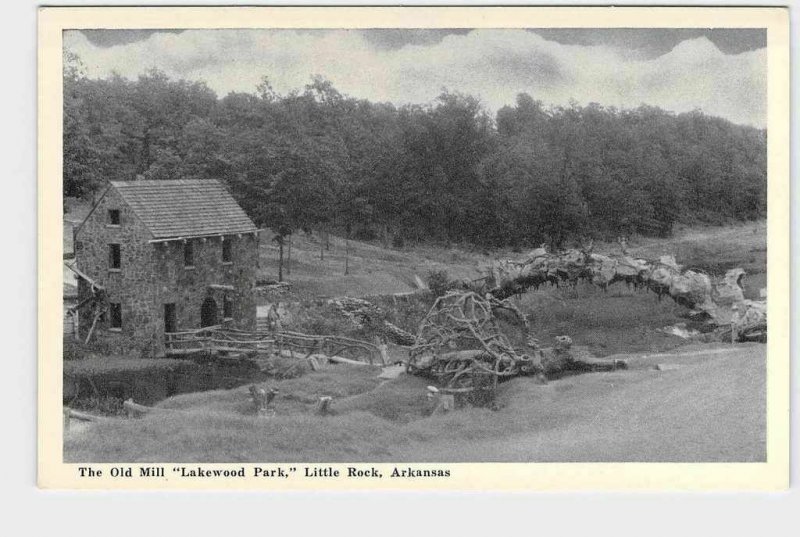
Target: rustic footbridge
{"type": "Point", "coordinates": [218, 339]}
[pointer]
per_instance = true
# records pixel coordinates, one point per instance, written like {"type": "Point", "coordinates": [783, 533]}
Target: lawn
{"type": "Point", "coordinates": [711, 408]}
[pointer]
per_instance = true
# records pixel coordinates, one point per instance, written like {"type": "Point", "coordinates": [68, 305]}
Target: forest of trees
{"type": "Point", "coordinates": [446, 172]}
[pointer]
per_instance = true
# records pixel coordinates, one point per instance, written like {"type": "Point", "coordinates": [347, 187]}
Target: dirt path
{"type": "Point", "coordinates": [710, 407]}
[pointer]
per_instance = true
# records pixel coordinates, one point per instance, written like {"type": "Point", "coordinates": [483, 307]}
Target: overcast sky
{"type": "Point", "coordinates": [722, 72]}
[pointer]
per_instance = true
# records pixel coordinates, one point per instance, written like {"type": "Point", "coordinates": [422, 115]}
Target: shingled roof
{"type": "Point", "coordinates": [184, 208]}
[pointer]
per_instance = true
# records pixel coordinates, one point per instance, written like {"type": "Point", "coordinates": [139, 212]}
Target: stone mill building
{"type": "Point", "coordinates": [164, 256]}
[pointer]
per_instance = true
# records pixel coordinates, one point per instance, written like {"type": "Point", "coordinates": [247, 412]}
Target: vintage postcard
{"type": "Point", "coordinates": [414, 248]}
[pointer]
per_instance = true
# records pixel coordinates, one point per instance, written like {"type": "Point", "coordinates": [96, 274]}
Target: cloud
{"type": "Point", "coordinates": [653, 42]}
{"type": "Point", "coordinates": [494, 65]}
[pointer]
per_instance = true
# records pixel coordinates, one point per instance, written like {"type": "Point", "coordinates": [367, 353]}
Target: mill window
{"type": "Point", "coordinates": [114, 257]}
{"type": "Point", "coordinates": [226, 252]}
{"type": "Point", "coordinates": [115, 310]}
{"type": "Point", "coordinates": [227, 308]}
{"type": "Point", "coordinates": [113, 217]}
{"type": "Point", "coordinates": [188, 255]}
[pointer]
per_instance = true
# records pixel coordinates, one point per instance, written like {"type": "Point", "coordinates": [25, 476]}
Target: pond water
{"type": "Point", "coordinates": [149, 386]}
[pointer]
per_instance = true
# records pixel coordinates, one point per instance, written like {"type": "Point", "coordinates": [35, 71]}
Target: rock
{"type": "Point", "coordinates": [669, 261]}
{"type": "Point", "coordinates": [749, 315]}
{"type": "Point", "coordinates": [692, 286]}
{"type": "Point", "coordinates": [537, 253]}
{"type": "Point", "coordinates": [603, 269]}
{"type": "Point", "coordinates": [392, 372]}
{"type": "Point", "coordinates": [729, 291]}
{"type": "Point", "coordinates": [663, 276]}
{"type": "Point", "coordinates": [681, 331]}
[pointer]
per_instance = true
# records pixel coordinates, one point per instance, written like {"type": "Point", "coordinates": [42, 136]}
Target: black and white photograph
{"type": "Point", "coordinates": [414, 246]}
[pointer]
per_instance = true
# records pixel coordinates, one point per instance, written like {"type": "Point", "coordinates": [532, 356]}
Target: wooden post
{"type": "Point", "coordinates": [383, 349]}
{"type": "Point", "coordinates": [441, 402]}
{"type": "Point", "coordinates": [324, 405]}
{"type": "Point", "coordinates": [94, 323]}
{"type": "Point", "coordinates": [448, 402]}
{"type": "Point", "coordinates": [262, 398]}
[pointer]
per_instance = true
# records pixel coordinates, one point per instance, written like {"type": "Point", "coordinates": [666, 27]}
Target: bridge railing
{"type": "Point", "coordinates": [217, 338]}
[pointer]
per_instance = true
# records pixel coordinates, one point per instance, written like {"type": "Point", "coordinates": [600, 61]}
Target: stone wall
{"type": "Point", "coordinates": [153, 274]}
{"type": "Point", "coordinates": [132, 286]}
{"type": "Point", "coordinates": [187, 288]}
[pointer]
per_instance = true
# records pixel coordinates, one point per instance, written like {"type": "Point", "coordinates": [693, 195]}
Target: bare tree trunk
{"type": "Point", "coordinates": [76, 323]}
{"type": "Point", "coordinates": [385, 236]}
{"type": "Point", "coordinates": [289, 257]}
{"type": "Point", "coordinates": [347, 256]}
{"type": "Point", "coordinates": [321, 246]}
{"type": "Point", "coordinates": [280, 261]}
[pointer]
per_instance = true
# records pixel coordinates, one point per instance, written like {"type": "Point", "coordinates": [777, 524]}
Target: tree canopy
{"type": "Point", "coordinates": [447, 171]}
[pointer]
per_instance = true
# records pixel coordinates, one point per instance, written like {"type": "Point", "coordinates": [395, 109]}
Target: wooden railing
{"type": "Point", "coordinates": [188, 341]}
{"type": "Point", "coordinates": [294, 344]}
{"type": "Point", "coordinates": [354, 349]}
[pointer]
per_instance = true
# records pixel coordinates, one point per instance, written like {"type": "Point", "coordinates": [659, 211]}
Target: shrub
{"type": "Point", "coordinates": [99, 365]}
{"type": "Point", "coordinates": [77, 350]}
{"type": "Point", "coordinates": [439, 282]}
{"type": "Point", "coordinates": [100, 404]}
{"type": "Point", "coordinates": [365, 234]}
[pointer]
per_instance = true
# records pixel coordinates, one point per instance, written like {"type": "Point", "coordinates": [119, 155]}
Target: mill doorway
{"type": "Point", "coordinates": [170, 319]}
{"type": "Point", "coordinates": [208, 313]}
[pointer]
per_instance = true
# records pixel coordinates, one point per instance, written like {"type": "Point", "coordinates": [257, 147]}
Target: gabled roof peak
{"type": "Point", "coordinates": [184, 207]}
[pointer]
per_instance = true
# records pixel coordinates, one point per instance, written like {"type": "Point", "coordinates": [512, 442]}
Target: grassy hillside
{"type": "Point", "coordinates": [376, 270]}
{"type": "Point", "coordinates": [619, 320]}
{"type": "Point", "coordinates": [319, 271]}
